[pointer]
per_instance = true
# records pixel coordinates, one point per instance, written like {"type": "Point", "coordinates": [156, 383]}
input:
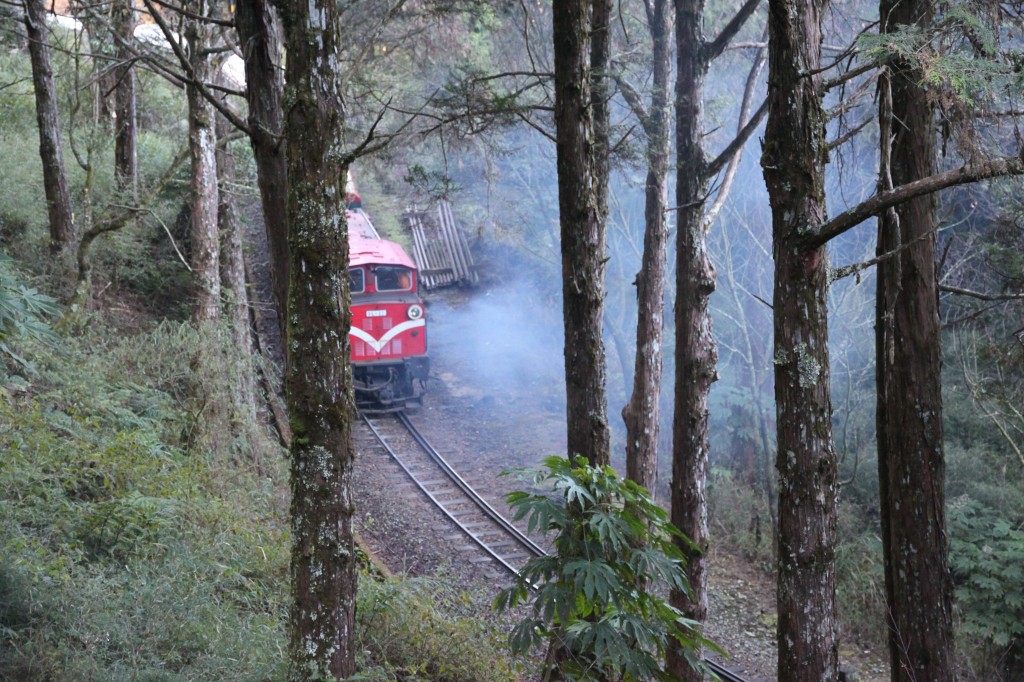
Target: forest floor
{"type": "Point", "coordinates": [483, 428]}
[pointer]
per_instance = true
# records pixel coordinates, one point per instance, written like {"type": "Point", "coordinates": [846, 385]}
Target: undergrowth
{"type": "Point", "coordinates": [127, 554]}
{"type": "Point", "coordinates": [987, 562]}
{"type": "Point", "coordinates": [422, 629]}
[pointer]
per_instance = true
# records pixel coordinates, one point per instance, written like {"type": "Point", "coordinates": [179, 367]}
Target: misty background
{"type": "Point", "coordinates": [510, 332]}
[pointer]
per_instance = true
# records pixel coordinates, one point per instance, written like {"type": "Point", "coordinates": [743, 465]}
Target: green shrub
{"type": "Point", "coordinates": [163, 565]}
{"type": "Point", "coordinates": [594, 599]}
{"type": "Point", "coordinates": [860, 579]}
{"type": "Point", "coordinates": [987, 561]}
{"type": "Point", "coordinates": [22, 199]}
{"type": "Point", "coordinates": [418, 629]}
{"type": "Point", "coordinates": [739, 516]}
{"type": "Point", "coordinates": [24, 312]}
{"type": "Point", "coordinates": [19, 609]}
{"type": "Point", "coordinates": [25, 615]}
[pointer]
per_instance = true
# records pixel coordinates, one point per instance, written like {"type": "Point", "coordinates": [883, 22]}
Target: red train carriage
{"type": "Point", "coordinates": [389, 330]}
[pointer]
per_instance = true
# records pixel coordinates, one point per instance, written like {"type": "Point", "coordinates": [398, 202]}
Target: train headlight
{"type": "Point", "coordinates": [415, 311]}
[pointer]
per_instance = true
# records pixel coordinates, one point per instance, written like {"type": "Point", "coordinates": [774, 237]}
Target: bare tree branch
{"type": "Point", "coordinates": [971, 172]}
{"type": "Point", "coordinates": [855, 268]}
{"type": "Point", "coordinates": [713, 49]}
{"type": "Point", "coordinates": [850, 134]}
{"type": "Point", "coordinates": [847, 76]}
{"type": "Point", "coordinates": [203, 88]}
{"type": "Point", "coordinates": [753, 77]}
{"type": "Point", "coordinates": [978, 395]}
{"type": "Point", "coordinates": [536, 126]}
{"type": "Point", "coordinates": [227, 23]}
{"type": "Point", "coordinates": [371, 40]}
{"type": "Point", "coordinates": [741, 139]}
{"type": "Point", "coordinates": [849, 102]}
{"type": "Point", "coordinates": [969, 316]}
{"type": "Point", "coordinates": [632, 98]}
{"type": "Point", "coordinates": [367, 146]}
{"type": "Point", "coordinates": [980, 295]}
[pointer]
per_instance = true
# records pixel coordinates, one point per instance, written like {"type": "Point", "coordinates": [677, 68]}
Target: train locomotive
{"type": "Point", "coordinates": [388, 336]}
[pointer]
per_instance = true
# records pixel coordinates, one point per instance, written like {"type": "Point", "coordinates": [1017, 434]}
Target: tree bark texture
{"type": "Point", "coordinates": [911, 466]}
{"type": "Point", "coordinates": [318, 382]}
{"type": "Point", "coordinates": [259, 34]}
{"type": "Point", "coordinates": [696, 354]}
{"type": "Point", "coordinates": [236, 296]}
{"type": "Point", "coordinates": [202, 141]}
{"type": "Point", "coordinates": [600, 96]}
{"type": "Point", "coordinates": [58, 198]}
{"type": "Point", "coordinates": [582, 233]}
{"type": "Point", "coordinates": [642, 413]}
{"type": "Point", "coordinates": [793, 159]}
{"type": "Point", "coordinates": [126, 160]}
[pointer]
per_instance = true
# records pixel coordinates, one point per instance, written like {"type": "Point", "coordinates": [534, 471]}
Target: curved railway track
{"type": "Point", "coordinates": [457, 500]}
{"type": "Point", "coordinates": [461, 504]}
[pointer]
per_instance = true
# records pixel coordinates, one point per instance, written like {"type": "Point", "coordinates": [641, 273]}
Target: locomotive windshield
{"type": "Point", "coordinates": [393, 278]}
{"type": "Point", "coordinates": [356, 280]}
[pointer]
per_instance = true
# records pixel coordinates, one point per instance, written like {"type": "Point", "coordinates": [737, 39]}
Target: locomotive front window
{"type": "Point", "coordinates": [393, 278]}
{"type": "Point", "coordinates": [356, 280]}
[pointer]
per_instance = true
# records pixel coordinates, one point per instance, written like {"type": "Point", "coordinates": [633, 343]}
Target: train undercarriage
{"type": "Point", "coordinates": [391, 386]}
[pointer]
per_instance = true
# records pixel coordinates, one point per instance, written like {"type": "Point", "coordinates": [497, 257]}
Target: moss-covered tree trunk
{"type": "Point", "coordinates": [318, 382]}
{"type": "Point", "coordinates": [793, 160]}
{"type": "Point", "coordinates": [581, 217]}
{"type": "Point", "coordinates": [58, 198]}
{"type": "Point", "coordinates": [911, 466]}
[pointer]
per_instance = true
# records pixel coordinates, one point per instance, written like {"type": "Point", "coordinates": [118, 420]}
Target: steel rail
{"type": "Point", "coordinates": [440, 505]}
{"type": "Point", "coordinates": [480, 502]}
{"type": "Point", "coordinates": [723, 673]}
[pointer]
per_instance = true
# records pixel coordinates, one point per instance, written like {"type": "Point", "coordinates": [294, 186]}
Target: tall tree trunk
{"type": "Point", "coordinates": [582, 232]}
{"type": "Point", "coordinates": [696, 354]}
{"type": "Point", "coordinates": [642, 413]}
{"type": "Point", "coordinates": [911, 466]}
{"type": "Point", "coordinates": [58, 198]}
{"type": "Point", "coordinates": [209, 430]}
{"type": "Point", "coordinates": [202, 140]}
{"type": "Point", "coordinates": [126, 130]}
{"type": "Point", "coordinates": [259, 34]}
{"type": "Point", "coordinates": [236, 297]}
{"type": "Point", "coordinates": [318, 385]}
{"type": "Point", "coordinates": [793, 160]}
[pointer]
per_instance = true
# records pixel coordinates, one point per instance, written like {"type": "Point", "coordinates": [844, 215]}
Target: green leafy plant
{"type": "Point", "coordinates": [23, 311]}
{"type": "Point", "coordinates": [987, 561]}
{"type": "Point", "coordinates": [595, 602]}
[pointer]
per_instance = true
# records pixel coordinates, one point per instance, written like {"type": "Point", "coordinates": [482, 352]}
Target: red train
{"type": "Point", "coordinates": [389, 325]}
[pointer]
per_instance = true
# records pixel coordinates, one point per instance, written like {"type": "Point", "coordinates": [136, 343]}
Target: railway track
{"type": "Point", "coordinates": [461, 504]}
{"type": "Point", "coordinates": [472, 514]}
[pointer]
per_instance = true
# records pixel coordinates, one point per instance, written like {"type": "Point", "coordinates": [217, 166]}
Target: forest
{"type": "Point", "coordinates": [782, 240]}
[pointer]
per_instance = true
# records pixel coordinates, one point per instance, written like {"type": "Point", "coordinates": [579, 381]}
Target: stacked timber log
{"type": "Point", "coordinates": [440, 249]}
